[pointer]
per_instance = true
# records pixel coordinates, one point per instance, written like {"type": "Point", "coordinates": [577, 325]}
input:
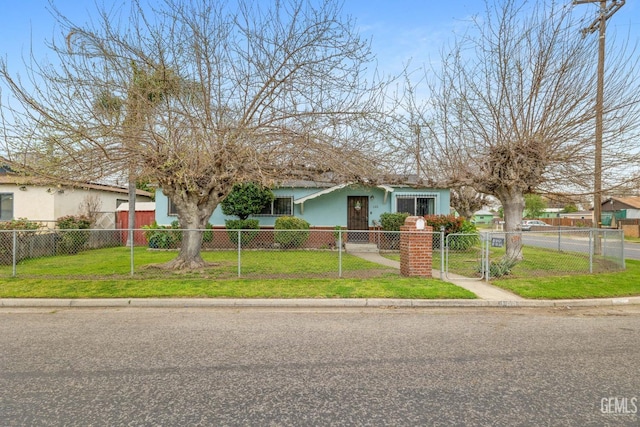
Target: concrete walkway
{"type": "Point", "coordinates": [481, 288]}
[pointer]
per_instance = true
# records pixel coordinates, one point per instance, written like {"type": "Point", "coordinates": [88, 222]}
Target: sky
{"type": "Point", "coordinates": [401, 31]}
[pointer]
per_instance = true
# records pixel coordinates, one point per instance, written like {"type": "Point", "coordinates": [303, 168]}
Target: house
{"type": "Point", "coordinates": [615, 209]}
{"type": "Point", "coordinates": [551, 213]}
{"type": "Point", "coordinates": [41, 201]}
{"type": "Point", "coordinates": [483, 216]}
{"type": "Point", "coordinates": [327, 205]}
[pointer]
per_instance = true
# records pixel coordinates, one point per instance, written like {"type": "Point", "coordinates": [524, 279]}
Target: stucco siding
{"type": "Point", "coordinates": [33, 203]}
{"type": "Point", "coordinates": [326, 210]}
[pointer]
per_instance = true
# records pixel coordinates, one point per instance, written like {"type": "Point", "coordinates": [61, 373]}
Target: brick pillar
{"type": "Point", "coordinates": [415, 248]}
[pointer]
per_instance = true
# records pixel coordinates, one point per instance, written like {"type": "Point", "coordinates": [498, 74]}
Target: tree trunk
{"type": "Point", "coordinates": [513, 206]}
{"type": "Point", "coordinates": [193, 220]}
{"type": "Point", "coordinates": [189, 256]}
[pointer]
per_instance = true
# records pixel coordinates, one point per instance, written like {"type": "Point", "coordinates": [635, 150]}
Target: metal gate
{"type": "Point", "coordinates": [465, 255]}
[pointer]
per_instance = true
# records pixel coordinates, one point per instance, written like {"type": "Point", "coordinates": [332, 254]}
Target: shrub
{"type": "Point", "coordinates": [250, 227]}
{"type": "Point", "coordinates": [74, 240]}
{"type": "Point", "coordinates": [207, 236]}
{"type": "Point", "coordinates": [246, 199]}
{"type": "Point", "coordinates": [19, 224]}
{"type": "Point", "coordinates": [161, 236]}
{"type": "Point", "coordinates": [392, 221]}
{"type": "Point", "coordinates": [498, 268]}
{"type": "Point", "coordinates": [24, 230]}
{"type": "Point", "coordinates": [453, 225]}
{"type": "Point", "coordinates": [296, 237]}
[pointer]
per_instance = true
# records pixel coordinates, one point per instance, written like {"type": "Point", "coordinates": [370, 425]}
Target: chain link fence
{"type": "Point", "coordinates": [315, 253]}
{"type": "Point", "coordinates": [542, 253]}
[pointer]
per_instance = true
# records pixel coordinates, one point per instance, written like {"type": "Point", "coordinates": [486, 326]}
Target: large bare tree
{"type": "Point", "coordinates": [202, 95]}
{"type": "Point", "coordinates": [511, 108]}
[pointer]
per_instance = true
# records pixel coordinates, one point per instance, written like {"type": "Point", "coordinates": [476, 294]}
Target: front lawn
{"type": "Point", "coordinates": [105, 273]}
{"type": "Point", "coordinates": [603, 285]}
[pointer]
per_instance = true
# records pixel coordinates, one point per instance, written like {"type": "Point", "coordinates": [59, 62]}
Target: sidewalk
{"type": "Point", "coordinates": [481, 288]}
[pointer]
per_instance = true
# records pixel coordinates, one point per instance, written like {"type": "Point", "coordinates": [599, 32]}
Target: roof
{"type": "Point", "coordinates": [140, 206]}
{"type": "Point", "coordinates": [10, 177]}
{"type": "Point", "coordinates": [632, 202]}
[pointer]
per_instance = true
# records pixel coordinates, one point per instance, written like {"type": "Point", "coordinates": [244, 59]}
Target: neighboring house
{"type": "Point", "coordinates": [579, 215]}
{"type": "Point", "coordinates": [551, 213]}
{"type": "Point", "coordinates": [619, 208]}
{"type": "Point", "coordinates": [35, 199]}
{"type": "Point", "coordinates": [483, 217]}
{"type": "Point", "coordinates": [325, 205]}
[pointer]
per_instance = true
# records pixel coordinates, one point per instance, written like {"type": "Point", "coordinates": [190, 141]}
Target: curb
{"type": "Point", "coordinates": [303, 303]}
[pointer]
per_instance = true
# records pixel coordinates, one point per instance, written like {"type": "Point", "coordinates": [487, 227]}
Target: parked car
{"type": "Point", "coordinates": [526, 225]}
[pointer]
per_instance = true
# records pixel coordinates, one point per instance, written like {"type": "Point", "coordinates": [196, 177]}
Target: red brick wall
{"type": "Point", "coordinates": [415, 249]}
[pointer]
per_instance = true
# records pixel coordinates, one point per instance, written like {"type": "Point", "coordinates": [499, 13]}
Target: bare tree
{"type": "Point", "coordinates": [258, 93]}
{"type": "Point", "coordinates": [90, 207]}
{"type": "Point", "coordinates": [467, 201]}
{"type": "Point", "coordinates": [511, 108]}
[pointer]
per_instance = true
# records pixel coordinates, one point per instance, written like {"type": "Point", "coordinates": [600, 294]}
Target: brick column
{"type": "Point", "coordinates": [415, 248]}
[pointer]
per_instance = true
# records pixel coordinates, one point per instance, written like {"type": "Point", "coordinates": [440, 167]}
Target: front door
{"type": "Point", "coordinates": [358, 218]}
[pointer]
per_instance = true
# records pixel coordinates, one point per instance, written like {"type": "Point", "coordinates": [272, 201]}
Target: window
{"type": "Point", "coordinates": [172, 209]}
{"type": "Point", "coordinates": [6, 206]}
{"type": "Point", "coordinates": [416, 205]}
{"type": "Point", "coordinates": [280, 206]}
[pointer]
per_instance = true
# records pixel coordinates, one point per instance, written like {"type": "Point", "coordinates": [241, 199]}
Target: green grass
{"type": "Point", "coordinates": [604, 285]}
{"type": "Point", "coordinates": [105, 273]}
{"type": "Point", "coordinates": [545, 274]}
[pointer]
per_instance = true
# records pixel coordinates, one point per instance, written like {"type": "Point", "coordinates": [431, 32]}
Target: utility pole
{"type": "Point", "coordinates": [607, 9]}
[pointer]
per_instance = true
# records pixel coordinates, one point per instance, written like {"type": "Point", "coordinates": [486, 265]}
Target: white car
{"type": "Point", "coordinates": [526, 225]}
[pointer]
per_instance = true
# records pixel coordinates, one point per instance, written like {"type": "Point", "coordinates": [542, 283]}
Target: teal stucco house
{"type": "Point", "coordinates": [327, 205]}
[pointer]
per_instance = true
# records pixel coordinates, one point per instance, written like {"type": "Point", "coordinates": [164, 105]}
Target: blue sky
{"type": "Point", "coordinates": [401, 30]}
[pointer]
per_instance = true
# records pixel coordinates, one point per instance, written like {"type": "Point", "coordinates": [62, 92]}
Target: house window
{"type": "Point", "coordinates": [416, 205]}
{"type": "Point", "coordinates": [281, 206]}
{"type": "Point", "coordinates": [172, 209]}
{"type": "Point", "coordinates": [6, 206]}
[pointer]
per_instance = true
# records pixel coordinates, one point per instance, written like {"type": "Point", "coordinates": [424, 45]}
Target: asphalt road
{"type": "Point", "coordinates": [177, 367]}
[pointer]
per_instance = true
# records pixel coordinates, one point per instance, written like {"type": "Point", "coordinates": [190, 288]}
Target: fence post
{"type": "Point", "coordinates": [442, 252]}
{"type": "Point", "coordinates": [591, 242]}
{"type": "Point", "coordinates": [340, 253]}
{"type": "Point", "coordinates": [131, 262]}
{"type": "Point", "coordinates": [487, 251]}
{"type": "Point", "coordinates": [14, 254]}
{"type": "Point", "coordinates": [621, 234]}
{"type": "Point", "coordinates": [239, 252]}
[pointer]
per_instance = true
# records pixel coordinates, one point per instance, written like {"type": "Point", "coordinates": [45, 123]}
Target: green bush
{"type": "Point", "coordinates": [392, 221]}
{"type": "Point", "coordinates": [19, 224]}
{"type": "Point", "coordinates": [250, 229]}
{"type": "Point", "coordinates": [296, 237]}
{"type": "Point", "coordinates": [74, 240]}
{"type": "Point", "coordinates": [246, 199]}
{"type": "Point", "coordinates": [207, 236]}
{"type": "Point", "coordinates": [162, 236]}
{"type": "Point", "coordinates": [24, 231]}
{"type": "Point", "coordinates": [453, 225]}
{"type": "Point", "coordinates": [498, 268]}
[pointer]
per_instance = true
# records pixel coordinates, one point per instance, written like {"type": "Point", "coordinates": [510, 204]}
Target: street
{"type": "Point", "coordinates": [253, 366]}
